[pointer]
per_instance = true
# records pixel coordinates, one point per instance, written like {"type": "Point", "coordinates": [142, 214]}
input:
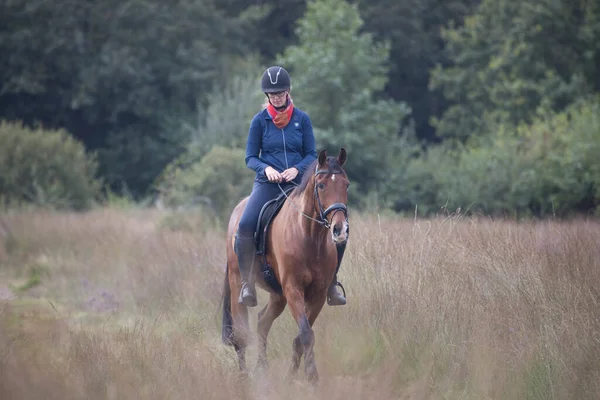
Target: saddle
{"type": "Point", "coordinates": [265, 218]}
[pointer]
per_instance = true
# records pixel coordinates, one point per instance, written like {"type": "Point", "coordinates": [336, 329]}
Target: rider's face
{"type": "Point", "coordinates": [278, 99]}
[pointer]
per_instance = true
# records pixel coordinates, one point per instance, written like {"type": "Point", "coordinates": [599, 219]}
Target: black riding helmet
{"type": "Point", "coordinates": [275, 79]}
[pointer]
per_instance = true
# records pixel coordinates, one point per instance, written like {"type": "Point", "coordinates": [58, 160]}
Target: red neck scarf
{"type": "Point", "coordinates": [281, 119]}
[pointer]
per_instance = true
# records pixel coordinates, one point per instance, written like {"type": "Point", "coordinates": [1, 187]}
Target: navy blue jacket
{"type": "Point", "coordinates": [292, 146]}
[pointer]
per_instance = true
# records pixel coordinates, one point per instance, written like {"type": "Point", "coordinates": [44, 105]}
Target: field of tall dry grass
{"type": "Point", "coordinates": [124, 304]}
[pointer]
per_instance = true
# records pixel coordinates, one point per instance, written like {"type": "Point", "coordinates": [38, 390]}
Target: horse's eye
{"type": "Point", "coordinates": [321, 186]}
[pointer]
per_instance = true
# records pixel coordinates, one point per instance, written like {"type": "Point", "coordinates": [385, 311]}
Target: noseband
{"type": "Point", "coordinates": [335, 207]}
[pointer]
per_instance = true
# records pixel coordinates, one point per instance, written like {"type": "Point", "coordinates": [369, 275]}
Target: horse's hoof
{"type": "Point", "coordinates": [243, 376]}
{"type": "Point", "coordinates": [313, 378]}
{"type": "Point", "coordinates": [262, 365]}
{"type": "Point", "coordinates": [291, 375]}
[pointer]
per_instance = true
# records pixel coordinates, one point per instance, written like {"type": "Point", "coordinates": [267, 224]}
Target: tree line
{"type": "Point", "coordinates": [487, 106]}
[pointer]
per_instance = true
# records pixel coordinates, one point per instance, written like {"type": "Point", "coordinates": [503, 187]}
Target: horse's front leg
{"type": "Point", "coordinates": [297, 352]}
{"type": "Point", "coordinates": [266, 316]}
{"type": "Point", "coordinates": [313, 308]}
{"type": "Point", "coordinates": [304, 342]}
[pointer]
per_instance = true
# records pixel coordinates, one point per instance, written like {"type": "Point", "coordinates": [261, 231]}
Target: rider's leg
{"type": "Point", "coordinates": [245, 245]}
{"type": "Point", "coordinates": [334, 297]}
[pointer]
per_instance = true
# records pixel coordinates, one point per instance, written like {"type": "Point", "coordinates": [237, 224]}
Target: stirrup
{"type": "Point", "coordinates": [343, 291]}
{"type": "Point", "coordinates": [249, 301]}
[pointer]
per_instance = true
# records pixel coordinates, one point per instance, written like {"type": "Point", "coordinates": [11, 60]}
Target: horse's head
{"type": "Point", "coordinates": [331, 194]}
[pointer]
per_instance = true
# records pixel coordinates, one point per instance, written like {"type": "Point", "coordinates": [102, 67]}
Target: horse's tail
{"type": "Point", "coordinates": [227, 322]}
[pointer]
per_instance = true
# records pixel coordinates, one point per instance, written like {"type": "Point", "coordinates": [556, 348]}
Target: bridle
{"type": "Point", "coordinates": [321, 212]}
{"type": "Point", "coordinates": [335, 207]}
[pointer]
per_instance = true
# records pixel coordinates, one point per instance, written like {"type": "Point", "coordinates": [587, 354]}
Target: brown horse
{"type": "Point", "coordinates": [302, 242]}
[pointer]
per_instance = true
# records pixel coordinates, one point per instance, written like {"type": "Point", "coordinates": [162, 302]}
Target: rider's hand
{"type": "Point", "coordinates": [273, 175]}
{"type": "Point", "coordinates": [289, 174]}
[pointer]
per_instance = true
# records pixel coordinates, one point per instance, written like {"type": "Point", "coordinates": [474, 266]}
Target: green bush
{"type": "Point", "coordinates": [217, 182]}
{"type": "Point", "coordinates": [550, 167]}
{"type": "Point", "coordinates": [46, 168]}
{"type": "Point", "coordinates": [491, 179]}
{"type": "Point", "coordinates": [211, 173]}
{"type": "Point", "coordinates": [566, 150]}
{"type": "Point", "coordinates": [226, 119]}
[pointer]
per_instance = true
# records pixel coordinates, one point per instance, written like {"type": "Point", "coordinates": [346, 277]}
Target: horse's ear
{"type": "Point", "coordinates": [322, 157]}
{"type": "Point", "coordinates": [342, 156]}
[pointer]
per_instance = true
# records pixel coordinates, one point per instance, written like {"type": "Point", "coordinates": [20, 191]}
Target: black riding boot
{"type": "Point", "coordinates": [335, 298]}
{"type": "Point", "coordinates": [245, 250]}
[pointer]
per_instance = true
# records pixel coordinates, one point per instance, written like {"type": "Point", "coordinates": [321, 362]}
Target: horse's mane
{"type": "Point", "coordinates": [334, 165]}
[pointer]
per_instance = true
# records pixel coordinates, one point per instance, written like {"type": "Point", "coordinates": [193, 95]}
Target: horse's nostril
{"type": "Point", "coordinates": [336, 230]}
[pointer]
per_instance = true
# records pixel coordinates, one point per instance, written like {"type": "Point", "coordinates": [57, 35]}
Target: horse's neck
{"type": "Point", "coordinates": [309, 209]}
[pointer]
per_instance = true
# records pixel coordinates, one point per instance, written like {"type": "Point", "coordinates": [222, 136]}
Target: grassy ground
{"type": "Point", "coordinates": [119, 304]}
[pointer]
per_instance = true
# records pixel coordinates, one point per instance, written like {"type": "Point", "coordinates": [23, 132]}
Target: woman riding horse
{"type": "Point", "coordinates": [280, 147]}
{"type": "Point", "coordinates": [304, 239]}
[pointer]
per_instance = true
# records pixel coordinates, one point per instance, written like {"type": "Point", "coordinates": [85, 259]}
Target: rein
{"type": "Point", "coordinates": [335, 207]}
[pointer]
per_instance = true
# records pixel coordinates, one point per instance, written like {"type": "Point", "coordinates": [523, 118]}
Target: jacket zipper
{"type": "Point", "coordinates": [285, 150]}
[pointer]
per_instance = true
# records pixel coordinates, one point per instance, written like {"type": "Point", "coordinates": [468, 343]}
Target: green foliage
{"type": "Point", "coordinates": [217, 182]}
{"type": "Point", "coordinates": [509, 58]}
{"type": "Point", "coordinates": [218, 135]}
{"type": "Point", "coordinates": [566, 148]}
{"type": "Point", "coordinates": [185, 137]}
{"type": "Point", "coordinates": [149, 85]}
{"type": "Point", "coordinates": [406, 183]}
{"type": "Point", "coordinates": [122, 201]}
{"type": "Point", "coordinates": [133, 158]}
{"type": "Point", "coordinates": [226, 119]}
{"type": "Point", "coordinates": [490, 179]}
{"type": "Point", "coordinates": [125, 58]}
{"type": "Point", "coordinates": [412, 27]}
{"type": "Point", "coordinates": [111, 72]}
{"type": "Point", "coordinates": [416, 186]}
{"type": "Point", "coordinates": [46, 168]}
{"type": "Point", "coordinates": [337, 74]}
{"type": "Point", "coordinates": [548, 168]}
{"type": "Point", "coordinates": [274, 30]}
